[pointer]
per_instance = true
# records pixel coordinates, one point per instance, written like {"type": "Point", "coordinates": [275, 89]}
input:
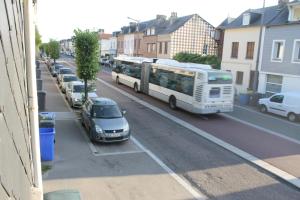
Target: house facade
{"type": "Point", "coordinates": [280, 64]}
{"type": "Point", "coordinates": [163, 38]}
{"type": "Point", "coordinates": [104, 43]}
{"type": "Point", "coordinates": [20, 161]}
{"type": "Point", "coordinates": [242, 38]}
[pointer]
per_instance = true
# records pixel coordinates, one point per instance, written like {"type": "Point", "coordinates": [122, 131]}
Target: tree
{"type": "Point", "coordinates": [53, 48]}
{"type": "Point", "coordinates": [87, 53]}
{"type": "Point", "coordinates": [44, 48]}
{"type": "Point", "coordinates": [38, 38]}
{"type": "Point", "coordinates": [197, 58]}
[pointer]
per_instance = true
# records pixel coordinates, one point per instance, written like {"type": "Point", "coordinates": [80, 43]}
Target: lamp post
{"type": "Point", "coordinates": [137, 30]}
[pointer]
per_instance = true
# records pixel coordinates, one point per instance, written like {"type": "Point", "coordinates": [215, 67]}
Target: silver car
{"type": "Point", "coordinates": [104, 120]}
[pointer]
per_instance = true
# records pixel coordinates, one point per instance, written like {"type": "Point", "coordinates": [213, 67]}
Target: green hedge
{"type": "Point", "coordinates": [197, 58]}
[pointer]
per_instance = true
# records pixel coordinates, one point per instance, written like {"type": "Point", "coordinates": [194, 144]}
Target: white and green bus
{"type": "Point", "coordinates": [192, 87]}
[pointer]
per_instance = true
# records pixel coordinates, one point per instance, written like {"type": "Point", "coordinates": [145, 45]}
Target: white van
{"type": "Point", "coordinates": [284, 104]}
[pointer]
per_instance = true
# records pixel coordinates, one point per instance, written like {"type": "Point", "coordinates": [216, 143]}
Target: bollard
{"type": "Point", "coordinates": [41, 100]}
{"type": "Point", "coordinates": [39, 84]}
{"type": "Point", "coordinates": [38, 73]}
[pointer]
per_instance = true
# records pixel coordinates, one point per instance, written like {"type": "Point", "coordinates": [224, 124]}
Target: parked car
{"type": "Point", "coordinates": [75, 93]}
{"type": "Point", "coordinates": [54, 69]}
{"type": "Point", "coordinates": [61, 72]}
{"type": "Point", "coordinates": [66, 78]}
{"type": "Point", "coordinates": [104, 120]}
{"type": "Point", "coordinates": [284, 104]}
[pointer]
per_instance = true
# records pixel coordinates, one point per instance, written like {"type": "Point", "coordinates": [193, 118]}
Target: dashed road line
{"type": "Point", "coordinates": [256, 161]}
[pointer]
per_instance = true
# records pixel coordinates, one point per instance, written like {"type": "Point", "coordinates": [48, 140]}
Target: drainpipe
{"type": "Point", "coordinates": [37, 188]}
{"type": "Point", "coordinates": [256, 73]}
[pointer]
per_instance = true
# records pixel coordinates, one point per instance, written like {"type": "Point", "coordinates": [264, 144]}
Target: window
{"type": "Point", "coordinates": [250, 50]}
{"type": "Point", "coordinates": [139, 42]}
{"type": "Point", "coordinates": [246, 19]}
{"type": "Point", "coordinates": [277, 99]}
{"type": "Point", "coordinates": [181, 82]}
{"type": "Point", "coordinates": [239, 78]}
{"type": "Point", "coordinates": [148, 31]}
{"type": "Point", "coordinates": [166, 47]}
{"type": "Point", "coordinates": [160, 47]}
{"type": "Point", "coordinates": [273, 84]}
{"type": "Point", "coordinates": [148, 48]}
{"type": "Point", "coordinates": [153, 47]}
{"type": "Point", "coordinates": [234, 49]}
{"type": "Point", "coordinates": [205, 48]}
{"type": "Point", "coordinates": [296, 52]}
{"type": "Point", "coordinates": [277, 50]}
{"type": "Point", "coordinates": [152, 31]}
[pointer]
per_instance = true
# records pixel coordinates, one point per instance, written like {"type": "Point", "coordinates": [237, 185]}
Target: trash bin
{"type": "Point", "coordinates": [244, 99]}
{"type": "Point", "coordinates": [37, 63]}
{"type": "Point", "coordinates": [62, 195]}
{"type": "Point", "coordinates": [47, 136]}
{"type": "Point", "coordinates": [47, 120]}
{"type": "Point", "coordinates": [41, 99]}
{"type": "Point", "coordinates": [38, 73]}
{"type": "Point", "coordinates": [39, 84]}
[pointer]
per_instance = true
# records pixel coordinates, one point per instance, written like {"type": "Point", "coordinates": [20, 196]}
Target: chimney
{"type": "Point", "coordinates": [161, 17]}
{"type": "Point", "coordinates": [173, 17]}
{"type": "Point", "coordinates": [282, 2]}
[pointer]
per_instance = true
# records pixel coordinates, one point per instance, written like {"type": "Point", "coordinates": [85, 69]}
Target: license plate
{"type": "Point", "coordinates": [114, 135]}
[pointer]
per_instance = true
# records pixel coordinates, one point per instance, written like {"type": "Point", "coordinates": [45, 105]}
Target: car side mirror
{"type": "Point", "coordinates": [123, 112]}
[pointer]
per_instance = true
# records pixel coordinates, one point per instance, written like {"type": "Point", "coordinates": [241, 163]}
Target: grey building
{"type": "Point", "coordinates": [280, 55]}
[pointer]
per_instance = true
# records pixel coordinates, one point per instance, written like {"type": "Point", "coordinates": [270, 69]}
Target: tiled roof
{"type": "Point", "coordinates": [162, 26]}
{"type": "Point", "coordinates": [104, 36]}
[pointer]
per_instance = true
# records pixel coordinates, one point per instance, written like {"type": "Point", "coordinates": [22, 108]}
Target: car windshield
{"type": "Point", "coordinates": [106, 111]}
{"type": "Point", "coordinates": [65, 71]}
{"type": "Point", "coordinates": [57, 67]}
{"type": "Point", "coordinates": [78, 88]}
{"type": "Point", "coordinates": [70, 78]}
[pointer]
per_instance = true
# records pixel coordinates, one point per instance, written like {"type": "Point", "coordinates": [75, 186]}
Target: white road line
{"type": "Point", "coordinates": [261, 128]}
{"type": "Point", "coordinates": [267, 115]}
{"type": "Point", "coordinates": [266, 166]}
{"type": "Point", "coordinates": [82, 131]}
{"type": "Point", "coordinates": [119, 153]}
{"type": "Point", "coordinates": [180, 180]}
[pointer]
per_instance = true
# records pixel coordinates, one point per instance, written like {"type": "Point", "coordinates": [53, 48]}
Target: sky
{"type": "Point", "coordinates": [57, 19]}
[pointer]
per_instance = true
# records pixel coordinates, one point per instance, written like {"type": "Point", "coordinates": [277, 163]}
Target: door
{"type": "Point", "coordinates": [145, 77]}
{"type": "Point", "coordinates": [276, 105]}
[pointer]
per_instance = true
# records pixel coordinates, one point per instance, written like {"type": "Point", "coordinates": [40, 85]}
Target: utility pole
{"type": "Point", "coordinates": [256, 73]}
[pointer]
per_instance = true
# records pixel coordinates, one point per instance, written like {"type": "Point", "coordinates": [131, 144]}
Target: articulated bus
{"type": "Point", "coordinates": [192, 87]}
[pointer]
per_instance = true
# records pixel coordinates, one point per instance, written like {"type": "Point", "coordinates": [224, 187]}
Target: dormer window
{"type": "Point", "coordinates": [152, 31]}
{"type": "Point", "coordinates": [246, 19]}
{"type": "Point", "coordinates": [148, 31]}
{"type": "Point", "coordinates": [294, 12]}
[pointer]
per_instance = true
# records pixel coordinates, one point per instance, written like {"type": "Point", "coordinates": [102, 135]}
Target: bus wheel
{"type": "Point", "coordinates": [135, 87]}
{"type": "Point", "coordinates": [117, 80]}
{"type": "Point", "coordinates": [172, 102]}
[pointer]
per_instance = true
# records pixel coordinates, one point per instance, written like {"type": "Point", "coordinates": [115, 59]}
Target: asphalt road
{"type": "Point", "coordinates": [214, 171]}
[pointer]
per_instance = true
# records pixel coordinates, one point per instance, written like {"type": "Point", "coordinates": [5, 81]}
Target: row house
{"type": "Point", "coordinates": [280, 60]}
{"type": "Point", "coordinates": [164, 38]}
{"type": "Point", "coordinates": [240, 45]}
{"type": "Point", "coordinates": [260, 48]}
{"type": "Point", "coordinates": [104, 43]}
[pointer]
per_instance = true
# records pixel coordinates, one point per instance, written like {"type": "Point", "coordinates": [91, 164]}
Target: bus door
{"type": "Point", "coordinates": [145, 77]}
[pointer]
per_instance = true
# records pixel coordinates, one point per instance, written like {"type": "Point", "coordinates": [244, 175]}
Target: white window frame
{"type": "Point", "coordinates": [272, 52]}
{"type": "Point", "coordinates": [294, 53]}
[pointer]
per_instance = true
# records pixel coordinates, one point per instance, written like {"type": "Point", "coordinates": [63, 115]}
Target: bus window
{"type": "Point", "coordinates": [219, 78]}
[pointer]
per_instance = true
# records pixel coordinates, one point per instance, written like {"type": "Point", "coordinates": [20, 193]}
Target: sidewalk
{"type": "Point", "coordinates": [117, 175]}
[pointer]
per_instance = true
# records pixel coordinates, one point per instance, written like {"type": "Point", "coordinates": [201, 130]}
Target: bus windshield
{"type": "Point", "coordinates": [219, 78]}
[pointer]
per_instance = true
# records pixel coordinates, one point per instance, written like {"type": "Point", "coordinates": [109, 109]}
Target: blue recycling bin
{"type": "Point", "coordinates": [244, 99]}
{"type": "Point", "coordinates": [47, 136]}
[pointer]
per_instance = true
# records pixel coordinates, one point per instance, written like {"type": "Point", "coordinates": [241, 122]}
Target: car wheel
{"type": "Point", "coordinates": [263, 109]}
{"type": "Point", "coordinates": [91, 135]}
{"type": "Point", "coordinates": [71, 104]}
{"type": "Point", "coordinates": [292, 117]}
{"type": "Point", "coordinates": [172, 102]}
{"type": "Point", "coordinates": [135, 88]}
{"type": "Point", "coordinates": [117, 80]}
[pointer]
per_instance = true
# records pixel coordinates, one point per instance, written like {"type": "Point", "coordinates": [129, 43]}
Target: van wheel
{"type": "Point", "coordinates": [172, 102]}
{"type": "Point", "coordinates": [135, 87]}
{"type": "Point", "coordinates": [263, 109]}
{"type": "Point", "coordinates": [292, 117]}
{"type": "Point", "coordinates": [117, 80]}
